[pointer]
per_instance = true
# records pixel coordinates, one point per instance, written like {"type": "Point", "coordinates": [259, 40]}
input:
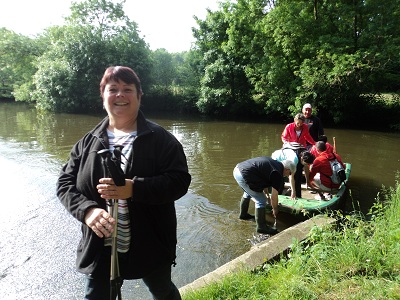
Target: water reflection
{"type": "Point", "coordinates": [41, 237]}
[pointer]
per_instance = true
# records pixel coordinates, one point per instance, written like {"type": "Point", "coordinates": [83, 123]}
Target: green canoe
{"type": "Point", "coordinates": [311, 203]}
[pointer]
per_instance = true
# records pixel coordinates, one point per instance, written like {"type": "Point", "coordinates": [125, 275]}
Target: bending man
{"type": "Point", "coordinates": [255, 176]}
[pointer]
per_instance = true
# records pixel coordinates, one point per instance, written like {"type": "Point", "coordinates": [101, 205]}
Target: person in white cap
{"type": "Point", "coordinates": [315, 127]}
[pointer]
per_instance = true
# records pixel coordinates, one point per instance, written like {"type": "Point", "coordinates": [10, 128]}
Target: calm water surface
{"type": "Point", "coordinates": [39, 237]}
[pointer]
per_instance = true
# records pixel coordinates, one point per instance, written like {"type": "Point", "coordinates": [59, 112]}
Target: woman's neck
{"type": "Point", "coordinates": [118, 127]}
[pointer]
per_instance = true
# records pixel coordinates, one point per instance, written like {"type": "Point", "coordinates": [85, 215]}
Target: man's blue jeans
{"type": "Point", "coordinates": [259, 198]}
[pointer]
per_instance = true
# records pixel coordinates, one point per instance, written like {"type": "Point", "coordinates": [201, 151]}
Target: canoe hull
{"type": "Point", "coordinates": [308, 205]}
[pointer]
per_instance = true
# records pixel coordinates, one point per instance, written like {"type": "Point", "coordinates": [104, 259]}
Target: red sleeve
{"type": "Point", "coordinates": [286, 134]}
{"type": "Point", "coordinates": [314, 151]}
{"type": "Point", "coordinates": [315, 168]}
{"type": "Point", "coordinates": [329, 148]}
{"type": "Point", "coordinates": [307, 135]}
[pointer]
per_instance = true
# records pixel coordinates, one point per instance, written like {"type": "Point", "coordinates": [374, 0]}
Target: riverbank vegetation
{"type": "Point", "coordinates": [357, 259]}
{"type": "Point", "coordinates": [259, 59]}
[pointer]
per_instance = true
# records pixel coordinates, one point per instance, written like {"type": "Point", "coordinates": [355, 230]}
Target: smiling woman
{"type": "Point", "coordinates": [154, 175]}
{"type": "Point", "coordinates": [121, 92]}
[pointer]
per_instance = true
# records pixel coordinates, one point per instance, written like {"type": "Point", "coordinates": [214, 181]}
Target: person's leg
{"type": "Point", "coordinates": [260, 210]}
{"type": "Point", "coordinates": [317, 182]}
{"type": "Point", "coordinates": [297, 178]}
{"type": "Point", "coordinates": [258, 197]}
{"type": "Point", "coordinates": [161, 286]}
{"type": "Point", "coordinates": [97, 285]}
{"type": "Point", "coordinates": [245, 200]}
{"type": "Point", "coordinates": [320, 188]}
{"type": "Point", "coordinates": [244, 209]}
{"type": "Point", "coordinates": [260, 200]}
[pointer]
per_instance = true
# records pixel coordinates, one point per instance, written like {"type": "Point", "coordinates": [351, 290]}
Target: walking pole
{"type": "Point", "coordinates": [111, 168]}
{"type": "Point", "coordinates": [115, 280]}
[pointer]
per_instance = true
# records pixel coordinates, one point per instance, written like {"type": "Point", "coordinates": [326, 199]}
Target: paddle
{"type": "Point", "coordinates": [334, 145]}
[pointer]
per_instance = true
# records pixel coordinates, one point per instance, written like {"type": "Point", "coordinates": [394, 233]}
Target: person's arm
{"type": "Point", "coordinates": [169, 178]}
{"type": "Point", "coordinates": [267, 193]}
{"type": "Point", "coordinates": [307, 135]}
{"type": "Point", "coordinates": [292, 186]}
{"type": "Point", "coordinates": [316, 166]}
{"type": "Point", "coordinates": [312, 172]}
{"type": "Point", "coordinates": [89, 210]}
{"type": "Point", "coordinates": [76, 203]}
{"type": "Point", "coordinates": [307, 174]}
{"type": "Point", "coordinates": [286, 134]}
{"type": "Point", "coordinates": [274, 202]}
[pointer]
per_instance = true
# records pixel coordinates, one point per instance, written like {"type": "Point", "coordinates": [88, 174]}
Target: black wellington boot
{"type": "Point", "coordinates": [262, 223]}
{"type": "Point", "coordinates": [244, 208]}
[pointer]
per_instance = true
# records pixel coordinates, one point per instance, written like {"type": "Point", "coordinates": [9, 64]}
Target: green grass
{"type": "Point", "coordinates": [355, 259]}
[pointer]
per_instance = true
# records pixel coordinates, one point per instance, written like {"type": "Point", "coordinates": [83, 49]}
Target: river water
{"type": "Point", "coordinates": [39, 237]}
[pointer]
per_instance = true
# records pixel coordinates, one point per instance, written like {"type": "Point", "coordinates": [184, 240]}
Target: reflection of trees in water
{"type": "Point", "coordinates": [213, 148]}
{"type": "Point", "coordinates": [209, 232]}
{"type": "Point", "coordinates": [44, 131]}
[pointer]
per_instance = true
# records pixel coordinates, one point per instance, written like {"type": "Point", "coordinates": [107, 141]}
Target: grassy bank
{"type": "Point", "coordinates": [356, 259]}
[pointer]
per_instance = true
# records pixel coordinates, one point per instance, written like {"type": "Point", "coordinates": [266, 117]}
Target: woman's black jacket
{"type": "Point", "coordinates": [159, 166]}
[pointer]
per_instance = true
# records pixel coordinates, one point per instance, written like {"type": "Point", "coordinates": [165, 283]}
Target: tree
{"type": "Point", "coordinates": [175, 83]}
{"type": "Point", "coordinates": [163, 69]}
{"type": "Point", "coordinates": [225, 89]}
{"type": "Point", "coordinates": [292, 52]}
{"type": "Point", "coordinates": [17, 56]}
{"type": "Point", "coordinates": [97, 35]}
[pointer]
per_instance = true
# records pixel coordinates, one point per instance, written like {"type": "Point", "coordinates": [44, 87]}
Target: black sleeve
{"type": "Point", "coordinates": [276, 180]}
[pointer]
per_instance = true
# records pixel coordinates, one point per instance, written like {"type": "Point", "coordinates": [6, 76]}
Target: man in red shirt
{"type": "Point", "coordinates": [321, 171]}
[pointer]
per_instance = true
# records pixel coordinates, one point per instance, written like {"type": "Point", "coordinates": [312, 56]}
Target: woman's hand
{"type": "Point", "coordinates": [108, 190]}
{"type": "Point", "coordinates": [100, 222]}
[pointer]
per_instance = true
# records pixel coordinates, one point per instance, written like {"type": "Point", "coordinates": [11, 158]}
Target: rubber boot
{"type": "Point", "coordinates": [244, 208]}
{"type": "Point", "coordinates": [262, 223]}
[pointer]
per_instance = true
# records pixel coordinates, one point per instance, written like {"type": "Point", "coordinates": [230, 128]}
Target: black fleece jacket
{"type": "Point", "coordinates": [159, 168]}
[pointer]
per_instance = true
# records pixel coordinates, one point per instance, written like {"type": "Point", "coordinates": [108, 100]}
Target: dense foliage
{"type": "Point", "coordinates": [333, 54]}
{"type": "Point", "coordinates": [17, 62]}
{"type": "Point", "coordinates": [251, 58]}
{"type": "Point", "coordinates": [97, 34]}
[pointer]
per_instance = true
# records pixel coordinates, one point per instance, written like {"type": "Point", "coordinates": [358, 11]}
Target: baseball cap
{"type": "Point", "coordinates": [307, 105]}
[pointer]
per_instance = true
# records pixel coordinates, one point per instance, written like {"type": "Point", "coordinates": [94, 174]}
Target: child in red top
{"type": "Point", "coordinates": [321, 169]}
{"type": "Point", "coordinates": [329, 147]}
